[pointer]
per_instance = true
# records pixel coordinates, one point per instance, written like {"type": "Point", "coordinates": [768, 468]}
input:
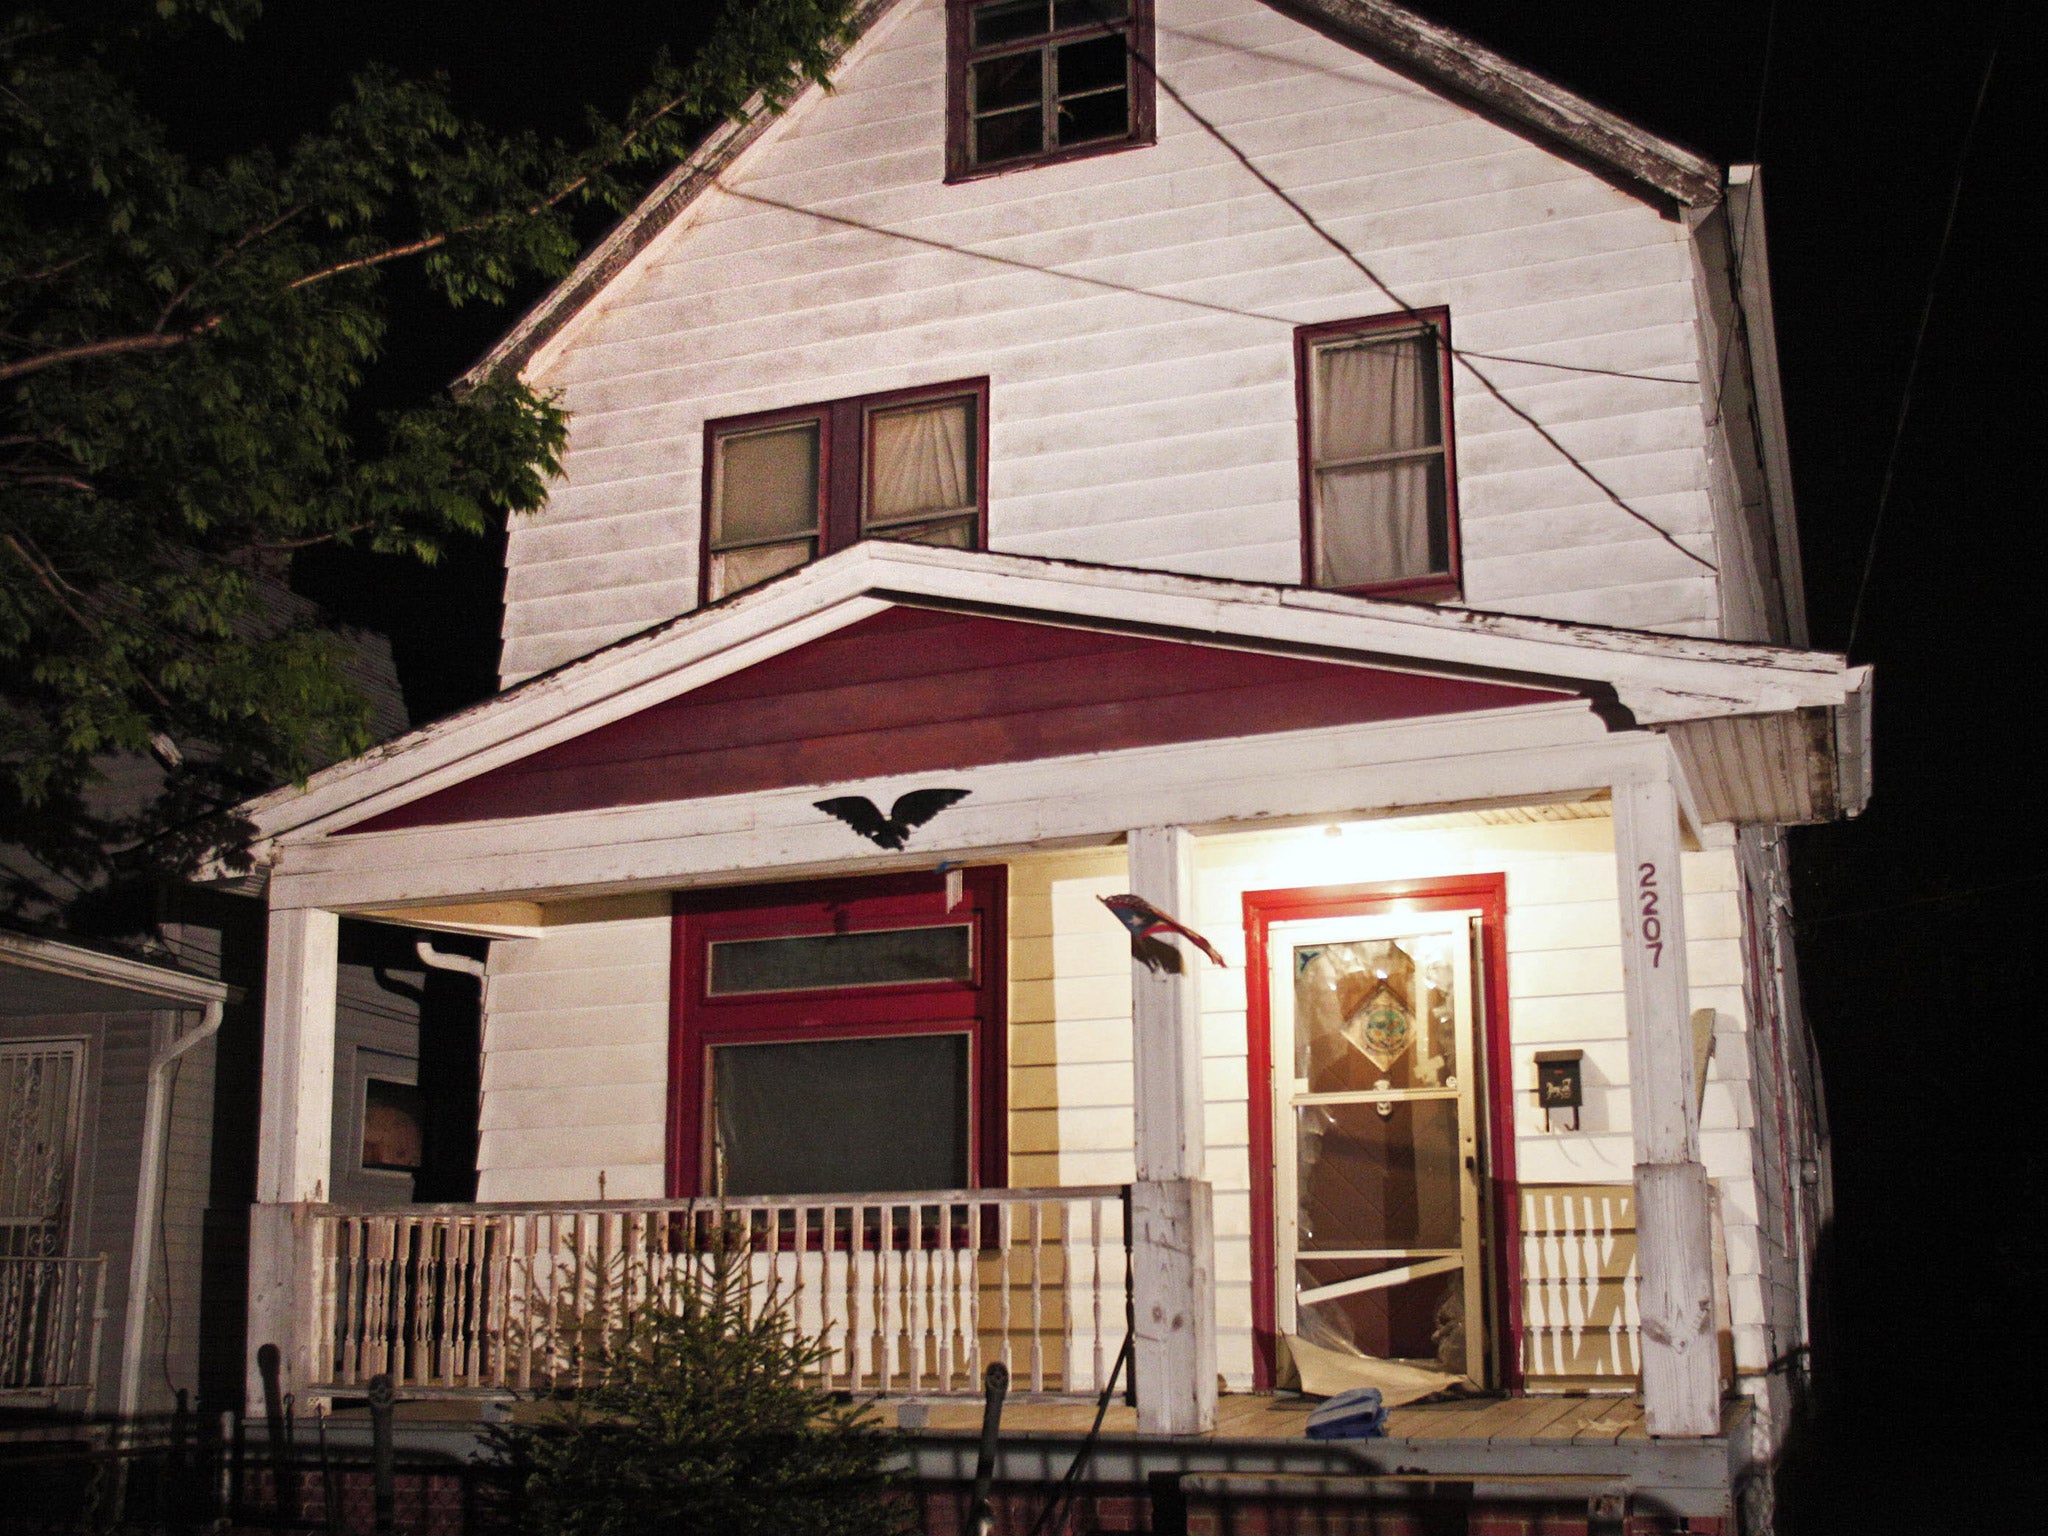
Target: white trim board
{"type": "Point", "coordinates": [1499, 756]}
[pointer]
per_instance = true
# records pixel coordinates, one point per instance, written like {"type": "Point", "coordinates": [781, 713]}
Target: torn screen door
{"type": "Point", "coordinates": [1377, 1153]}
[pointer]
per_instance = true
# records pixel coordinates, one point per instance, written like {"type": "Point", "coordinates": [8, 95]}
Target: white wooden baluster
{"type": "Point", "coordinates": [1097, 1381]}
{"type": "Point", "coordinates": [1003, 1224]}
{"type": "Point", "coordinates": [949, 1297]}
{"type": "Point", "coordinates": [1037, 1296]}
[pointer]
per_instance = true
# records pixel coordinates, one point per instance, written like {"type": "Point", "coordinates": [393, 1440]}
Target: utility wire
{"type": "Point", "coordinates": [1948, 229]}
{"type": "Point", "coordinates": [1738, 249]}
{"type": "Point", "coordinates": [1316, 226]}
{"type": "Point", "coordinates": [1964, 893]}
{"type": "Point", "coordinates": [847, 221]}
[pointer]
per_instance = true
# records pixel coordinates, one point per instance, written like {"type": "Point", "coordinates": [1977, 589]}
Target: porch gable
{"type": "Point", "coordinates": [914, 690]}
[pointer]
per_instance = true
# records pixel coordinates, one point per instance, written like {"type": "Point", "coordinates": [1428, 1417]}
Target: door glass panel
{"type": "Point", "coordinates": [1375, 1015]}
{"type": "Point", "coordinates": [1421, 1320]}
{"type": "Point", "coordinates": [1378, 1175]}
{"type": "Point", "coordinates": [834, 1116]}
{"type": "Point", "coordinates": [885, 957]}
{"type": "Point", "coordinates": [1378, 1198]}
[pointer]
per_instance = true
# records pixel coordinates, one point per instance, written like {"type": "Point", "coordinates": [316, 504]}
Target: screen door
{"type": "Point", "coordinates": [1376, 1142]}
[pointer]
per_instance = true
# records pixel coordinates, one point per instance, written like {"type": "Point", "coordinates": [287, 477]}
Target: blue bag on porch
{"type": "Point", "coordinates": [1355, 1415]}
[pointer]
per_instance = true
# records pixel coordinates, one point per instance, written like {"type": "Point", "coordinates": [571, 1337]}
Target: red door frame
{"type": "Point", "coordinates": [1487, 895]}
{"type": "Point", "coordinates": [977, 1007]}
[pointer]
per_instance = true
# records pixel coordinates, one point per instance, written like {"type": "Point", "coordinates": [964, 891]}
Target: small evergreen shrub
{"type": "Point", "coordinates": [703, 1413]}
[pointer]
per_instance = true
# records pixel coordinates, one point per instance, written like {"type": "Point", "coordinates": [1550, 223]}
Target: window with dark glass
{"type": "Point", "coordinates": [1037, 80]}
{"type": "Point", "coordinates": [785, 487]}
{"type": "Point", "coordinates": [840, 1037]}
{"type": "Point", "coordinates": [1378, 487]}
{"type": "Point", "coordinates": [394, 1119]}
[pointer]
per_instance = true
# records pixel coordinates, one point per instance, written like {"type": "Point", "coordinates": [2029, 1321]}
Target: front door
{"type": "Point", "coordinates": [1378, 1078]}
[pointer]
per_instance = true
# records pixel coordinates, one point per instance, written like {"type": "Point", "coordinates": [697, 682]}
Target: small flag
{"type": "Point", "coordinates": [1146, 921]}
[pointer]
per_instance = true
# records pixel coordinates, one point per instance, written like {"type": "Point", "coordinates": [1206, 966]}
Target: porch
{"type": "Point", "coordinates": [1427, 851]}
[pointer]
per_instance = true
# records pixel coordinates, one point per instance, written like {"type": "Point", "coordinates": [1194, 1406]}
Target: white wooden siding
{"type": "Point", "coordinates": [1149, 428]}
{"type": "Point", "coordinates": [575, 1060]}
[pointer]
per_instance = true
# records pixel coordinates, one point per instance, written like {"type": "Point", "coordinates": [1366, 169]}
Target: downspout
{"type": "Point", "coordinates": [156, 1133]}
{"type": "Point", "coordinates": [440, 962]}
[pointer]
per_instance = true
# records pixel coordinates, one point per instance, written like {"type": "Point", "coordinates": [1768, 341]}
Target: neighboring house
{"type": "Point", "coordinates": [128, 1087]}
{"type": "Point", "coordinates": [1279, 460]}
{"type": "Point", "coordinates": [106, 1079]}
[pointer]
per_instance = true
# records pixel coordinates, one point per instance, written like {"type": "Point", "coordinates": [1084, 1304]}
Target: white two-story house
{"type": "Point", "coordinates": [1278, 460]}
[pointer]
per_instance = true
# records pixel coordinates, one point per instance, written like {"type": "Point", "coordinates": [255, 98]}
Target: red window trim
{"type": "Point", "coordinates": [1418, 588]}
{"type": "Point", "coordinates": [978, 1008]}
{"type": "Point", "coordinates": [842, 481]}
{"type": "Point", "coordinates": [959, 128]}
{"type": "Point", "coordinates": [1486, 894]}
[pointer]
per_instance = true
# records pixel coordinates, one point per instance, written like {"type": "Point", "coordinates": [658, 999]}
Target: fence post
{"type": "Point", "coordinates": [382, 1398]}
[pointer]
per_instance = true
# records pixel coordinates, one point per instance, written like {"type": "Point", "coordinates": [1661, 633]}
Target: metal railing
{"type": "Point", "coordinates": [52, 1314]}
{"type": "Point", "coordinates": [908, 1293]}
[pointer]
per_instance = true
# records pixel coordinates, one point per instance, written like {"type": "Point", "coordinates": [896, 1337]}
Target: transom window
{"type": "Point", "coordinates": [785, 487]}
{"type": "Point", "coordinates": [1378, 489]}
{"type": "Point", "coordinates": [1038, 80]}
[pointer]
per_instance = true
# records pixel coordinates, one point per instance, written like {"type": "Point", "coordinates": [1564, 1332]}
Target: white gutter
{"type": "Point", "coordinates": [156, 1132]}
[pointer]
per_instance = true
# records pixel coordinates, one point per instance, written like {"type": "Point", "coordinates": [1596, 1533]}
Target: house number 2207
{"type": "Point", "coordinates": [1653, 923]}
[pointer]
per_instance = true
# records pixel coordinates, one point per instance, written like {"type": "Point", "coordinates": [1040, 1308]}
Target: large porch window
{"type": "Point", "coordinates": [839, 1037]}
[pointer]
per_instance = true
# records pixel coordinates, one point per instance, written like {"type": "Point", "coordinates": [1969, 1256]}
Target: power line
{"type": "Point", "coordinates": [1948, 229]}
{"type": "Point", "coordinates": [1964, 893]}
{"type": "Point", "coordinates": [1316, 226]}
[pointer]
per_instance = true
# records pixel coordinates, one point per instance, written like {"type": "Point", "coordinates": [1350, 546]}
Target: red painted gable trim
{"type": "Point", "coordinates": [912, 690]}
{"type": "Point", "coordinates": [1485, 894]}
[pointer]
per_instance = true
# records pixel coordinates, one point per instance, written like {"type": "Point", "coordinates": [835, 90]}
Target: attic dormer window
{"type": "Point", "coordinates": [783, 488]}
{"type": "Point", "coordinates": [1379, 495]}
{"type": "Point", "coordinates": [1032, 81]}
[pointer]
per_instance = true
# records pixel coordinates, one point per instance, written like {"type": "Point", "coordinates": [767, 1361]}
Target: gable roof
{"type": "Point", "coordinates": [1637, 679]}
{"type": "Point", "coordinates": [1433, 54]}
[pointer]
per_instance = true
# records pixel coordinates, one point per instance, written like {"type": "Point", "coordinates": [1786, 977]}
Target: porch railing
{"type": "Point", "coordinates": [911, 1293]}
{"type": "Point", "coordinates": [52, 1314]}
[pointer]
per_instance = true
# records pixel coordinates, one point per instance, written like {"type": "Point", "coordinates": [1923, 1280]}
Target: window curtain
{"type": "Point", "coordinates": [920, 461]}
{"type": "Point", "coordinates": [768, 484]}
{"type": "Point", "coordinates": [1376, 521]}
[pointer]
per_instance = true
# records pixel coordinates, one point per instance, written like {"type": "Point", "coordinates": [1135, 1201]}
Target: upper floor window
{"type": "Point", "coordinates": [1379, 491]}
{"type": "Point", "coordinates": [785, 487]}
{"type": "Point", "coordinates": [1036, 80]}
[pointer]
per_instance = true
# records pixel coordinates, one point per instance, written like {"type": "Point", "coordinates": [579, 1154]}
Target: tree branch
{"type": "Point", "coordinates": [50, 583]}
{"type": "Point", "coordinates": [113, 346]}
{"type": "Point", "coordinates": [249, 238]}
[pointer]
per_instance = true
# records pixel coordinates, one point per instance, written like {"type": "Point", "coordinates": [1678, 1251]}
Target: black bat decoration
{"type": "Point", "coordinates": [890, 831]}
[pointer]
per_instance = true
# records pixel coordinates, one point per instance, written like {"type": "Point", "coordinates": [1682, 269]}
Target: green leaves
{"type": "Point", "coordinates": [705, 1417]}
{"type": "Point", "coordinates": [183, 354]}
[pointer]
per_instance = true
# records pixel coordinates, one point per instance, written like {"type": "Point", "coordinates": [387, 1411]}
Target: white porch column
{"type": "Point", "coordinates": [1172, 1221]}
{"type": "Point", "coordinates": [295, 1136]}
{"type": "Point", "coordinates": [1681, 1365]}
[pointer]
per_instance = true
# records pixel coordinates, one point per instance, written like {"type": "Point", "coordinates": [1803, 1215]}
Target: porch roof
{"type": "Point", "coordinates": [1766, 733]}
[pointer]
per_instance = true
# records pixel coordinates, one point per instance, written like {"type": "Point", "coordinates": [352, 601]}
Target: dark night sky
{"type": "Point", "coordinates": [1918, 920]}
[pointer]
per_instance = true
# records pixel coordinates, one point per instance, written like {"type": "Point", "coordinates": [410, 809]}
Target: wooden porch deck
{"type": "Point", "coordinates": [1239, 1416]}
{"type": "Point", "coordinates": [1259, 1416]}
